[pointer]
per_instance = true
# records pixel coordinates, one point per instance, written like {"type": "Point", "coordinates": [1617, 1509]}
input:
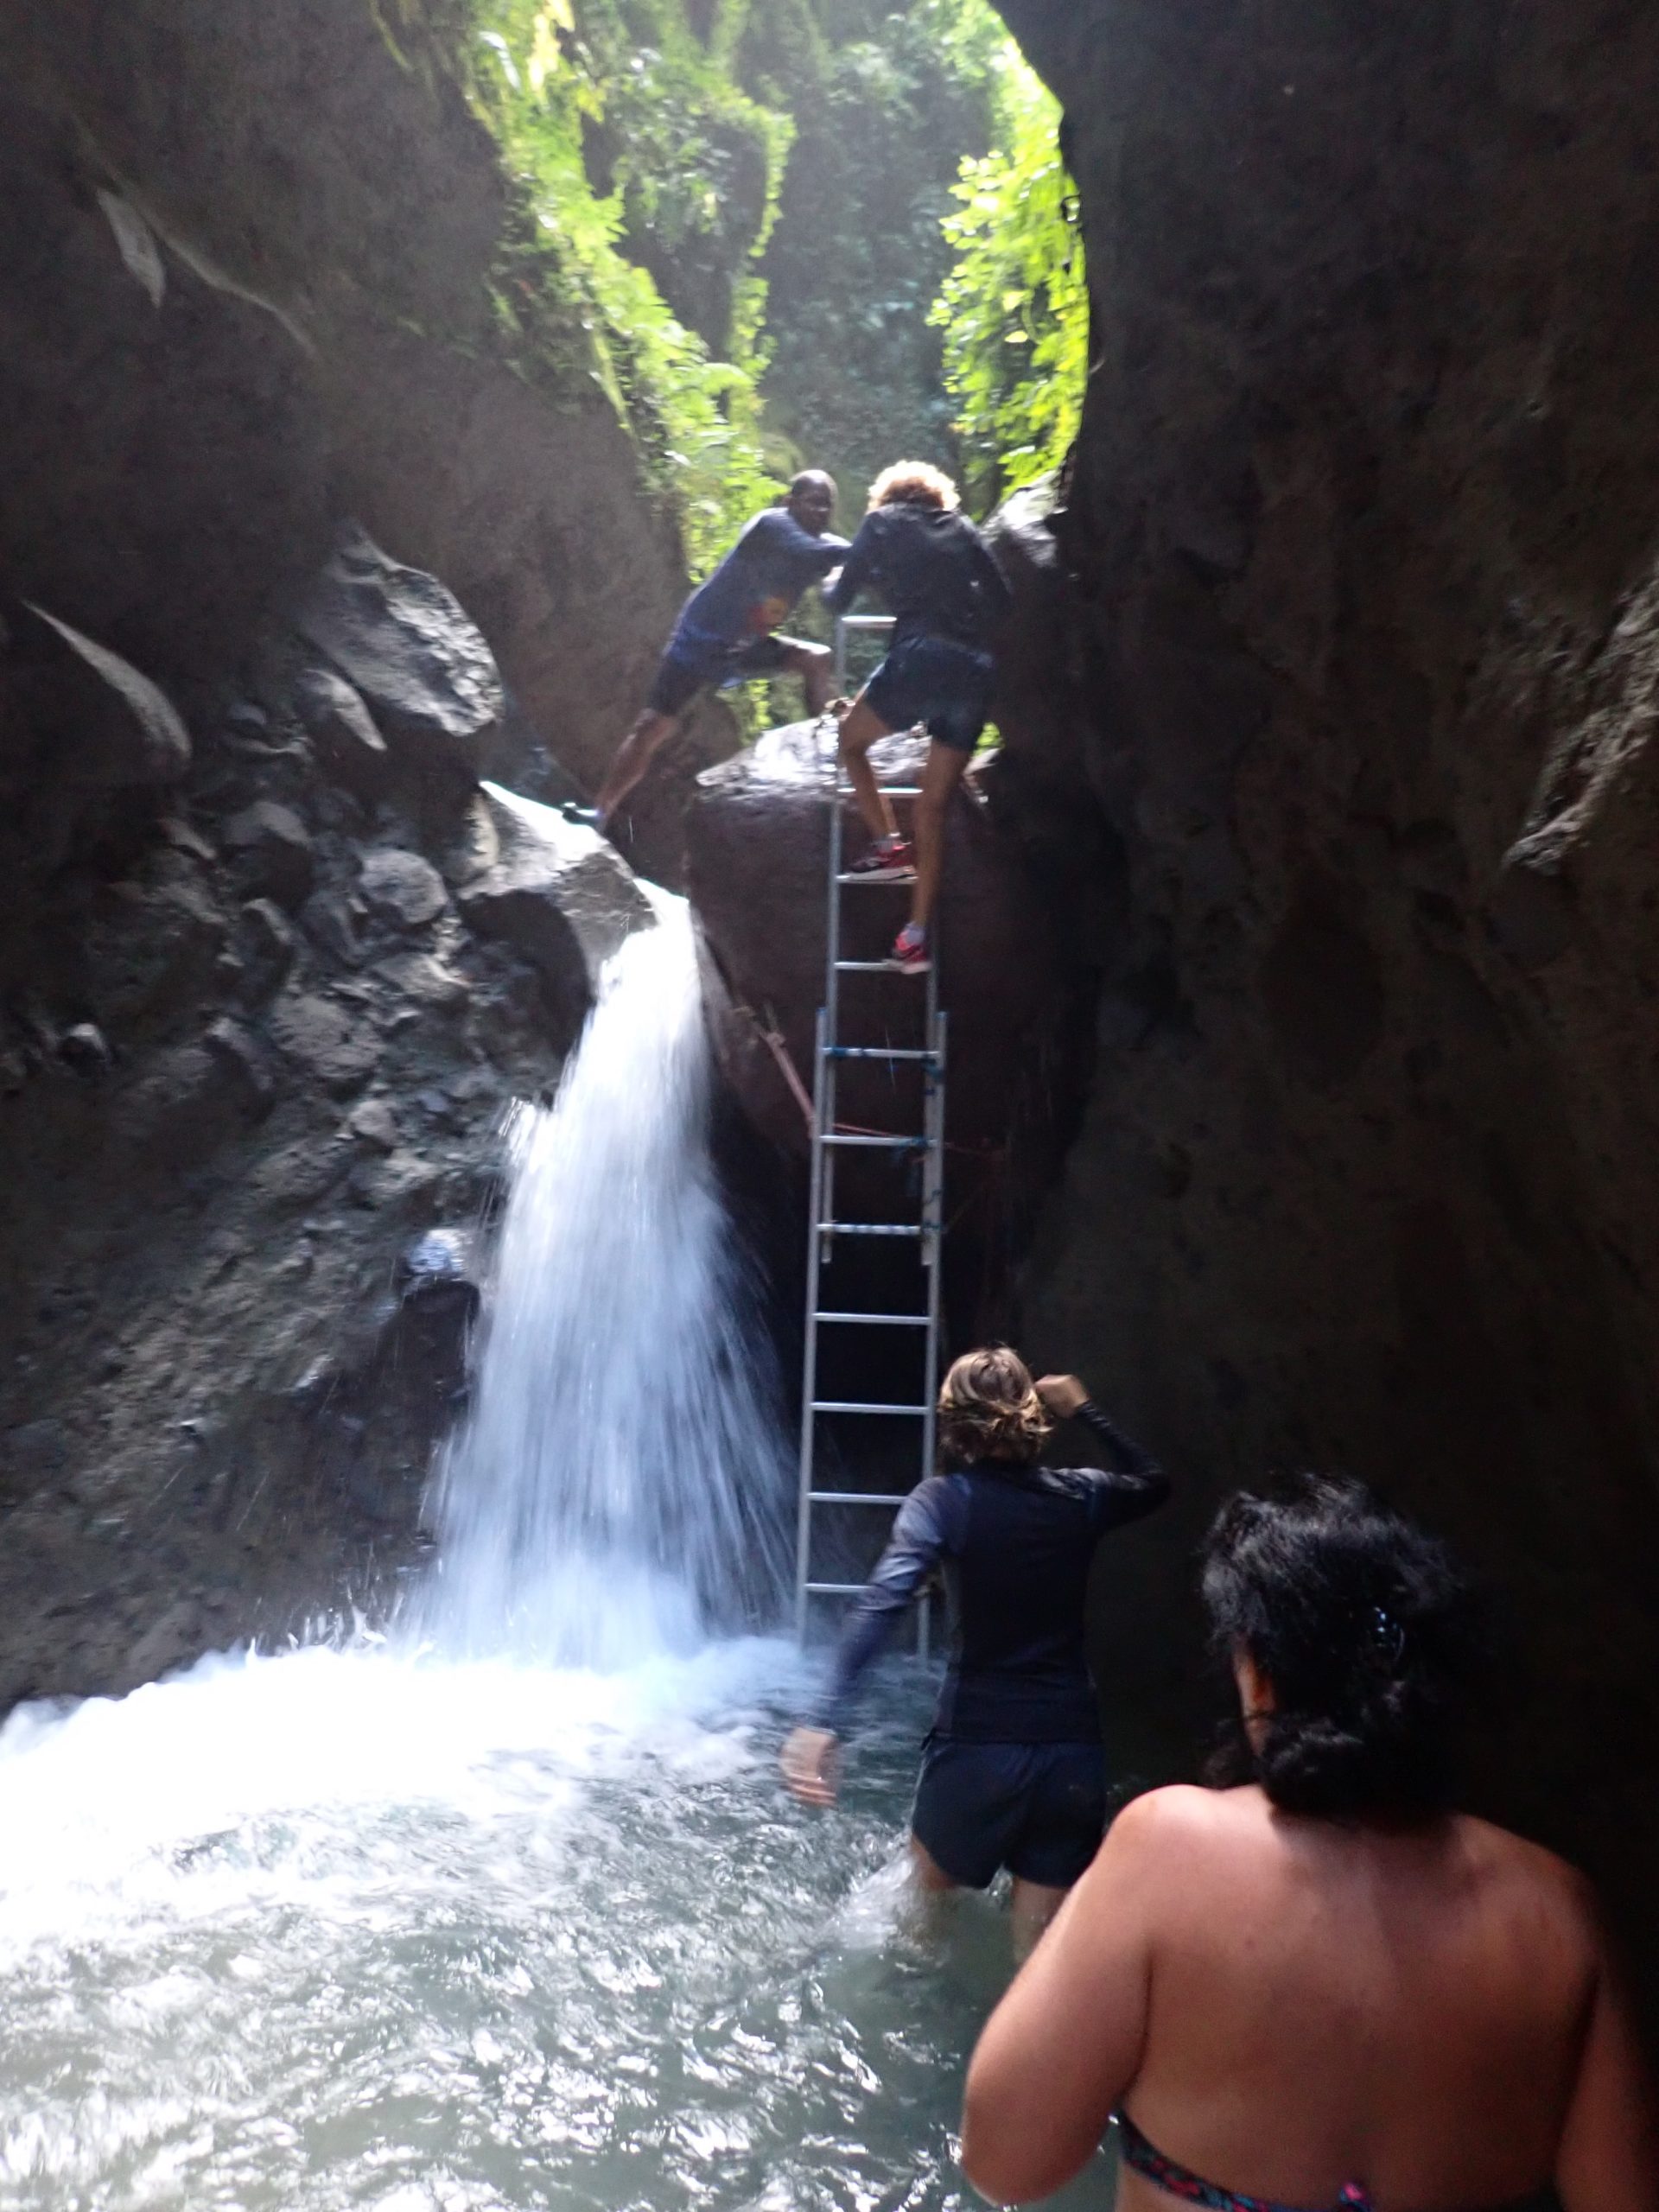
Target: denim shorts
{"type": "Point", "coordinates": [935, 681]}
{"type": "Point", "coordinates": [1039, 1809]}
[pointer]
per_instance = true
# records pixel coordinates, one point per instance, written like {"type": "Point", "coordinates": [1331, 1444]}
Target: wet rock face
{"type": "Point", "coordinates": [414, 659]}
{"type": "Point", "coordinates": [556, 893]}
{"type": "Point", "coordinates": [252, 290]}
{"type": "Point", "coordinates": [253, 1060]}
{"type": "Point", "coordinates": [1357, 569]}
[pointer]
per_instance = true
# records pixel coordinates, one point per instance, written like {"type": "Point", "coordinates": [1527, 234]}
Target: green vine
{"type": "Point", "coordinates": [749, 225]}
{"type": "Point", "coordinates": [644, 171]}
{"type": "Point", "coordinates": [1014, 308]}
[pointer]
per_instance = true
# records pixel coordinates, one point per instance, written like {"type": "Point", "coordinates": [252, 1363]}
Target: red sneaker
{"type": "Point", "coordinates": [911, 954]}
{"type": "Point", "coordinates": [890, 859]}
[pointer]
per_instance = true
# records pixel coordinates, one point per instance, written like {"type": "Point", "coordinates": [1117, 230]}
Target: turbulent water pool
{"type": "Point", "coordinates": [514, 1914]}
{"type": "Point", "coordinates": [345, 1928]}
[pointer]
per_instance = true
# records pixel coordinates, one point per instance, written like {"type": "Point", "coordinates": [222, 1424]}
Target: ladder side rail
{"type": "Point", "coordinates": [933, 1254]}
{"type": "Point", "coordinates": [826, 1088]}
{"type": "Point", "coordinates": [826, 1068]}
{"type": "Point", "coordinates": [810, 1352]}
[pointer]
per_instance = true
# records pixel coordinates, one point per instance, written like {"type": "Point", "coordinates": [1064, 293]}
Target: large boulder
{"type": "Point", "coordinates": [79, 724]}
{"type": "Point", "coordinates": [409, 648]}
{"type": "Point", "coordinates": [558, 893]}
{"type": "Point", "coordinates": [757, 836]}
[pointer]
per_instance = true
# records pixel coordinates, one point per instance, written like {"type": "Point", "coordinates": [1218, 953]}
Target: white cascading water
{"type": "Point", "coordinates": [619, 1488]}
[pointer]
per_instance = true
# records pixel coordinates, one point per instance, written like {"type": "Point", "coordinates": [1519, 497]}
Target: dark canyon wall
{"type": "Point", "coordinates": [269, 967]}
{"type": "Point", "coordinates": [338, 324]}
{"type": "Point", "coordinates": [1358, 572]}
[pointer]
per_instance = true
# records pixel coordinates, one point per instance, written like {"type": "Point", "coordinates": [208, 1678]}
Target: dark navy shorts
{"type": "Point", "coordinates": [934, 680]}
{"type": "Point", "coordinates": [685, 670]}
{"type": "Point", "coordinates": [1039, 1809]}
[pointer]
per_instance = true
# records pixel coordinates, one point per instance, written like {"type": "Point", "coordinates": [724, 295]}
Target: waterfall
{"type": "Point", "coordinates": [619, 1488]}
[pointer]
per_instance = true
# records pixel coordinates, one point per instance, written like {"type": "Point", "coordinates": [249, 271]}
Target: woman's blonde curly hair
{"type": "Point", "coordinates": [989, 1409]}
{"type": "Point", "coordinates": [915, 483]}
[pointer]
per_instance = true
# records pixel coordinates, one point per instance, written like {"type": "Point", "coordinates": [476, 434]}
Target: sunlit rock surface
{"type": "Point", "coordinates": [253, 261]}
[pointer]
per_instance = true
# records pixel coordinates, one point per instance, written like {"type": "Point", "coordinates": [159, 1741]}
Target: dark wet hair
{"type": "Point", "coordinates": [1365, 1627]}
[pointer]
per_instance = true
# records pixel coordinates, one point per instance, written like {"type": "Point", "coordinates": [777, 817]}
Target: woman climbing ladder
{"type": "Point", "coordinates": [932, 566]}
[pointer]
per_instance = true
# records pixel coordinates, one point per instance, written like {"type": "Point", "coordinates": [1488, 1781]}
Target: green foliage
{"type": "Point", "coordinates": [629, 145]}
{"type": "Point", "coordinates": [751, 224]}
{"type": "Point", "coordinates": [887, 100]}
{"type": "Point", "coordinates": [1015, 308]}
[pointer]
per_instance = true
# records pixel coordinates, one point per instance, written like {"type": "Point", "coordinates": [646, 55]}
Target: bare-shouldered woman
{"type": "Point", "coordinates": [1324, 1987]}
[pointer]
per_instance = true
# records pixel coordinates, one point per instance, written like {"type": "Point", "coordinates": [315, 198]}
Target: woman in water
{"type": "Point", "coordinates": [922, 556]}
{"type": "Point", "coordinates": [1013, 1774]}
{"type": "Point", "coordinates": [1323, 1986]}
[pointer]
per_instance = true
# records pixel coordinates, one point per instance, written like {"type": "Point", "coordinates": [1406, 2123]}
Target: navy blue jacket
{"type": "Point", "coordinates": [1014, 1545]}
{"type": "Point", "coordinates": [758, 583]}
{"type": "Point", "coordinates": [934, 570]}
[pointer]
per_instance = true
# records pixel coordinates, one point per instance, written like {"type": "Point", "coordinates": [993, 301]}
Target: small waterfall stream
{"type": "Point", "coordinates": [621, 1487]}
{"type": "Point", "coordinates": [508, 1912]}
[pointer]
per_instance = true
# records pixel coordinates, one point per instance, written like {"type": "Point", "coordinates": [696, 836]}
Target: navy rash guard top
{"type": "Point", "coordinates": [756, 585]}
{"type": "Point", "coordinates": [1014, 1545]}
{"type": "Point", "coordinates": [934, 570]}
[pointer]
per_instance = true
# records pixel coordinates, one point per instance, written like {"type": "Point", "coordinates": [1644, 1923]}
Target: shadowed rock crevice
{"type": "Point", "coordinates": [1357, 568]}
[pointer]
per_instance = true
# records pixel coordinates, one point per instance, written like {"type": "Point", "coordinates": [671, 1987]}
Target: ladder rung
{"type": "Point", "coordinates": [851, 1406]}
{"type": "Point", "coordinates": [835, 1589]}
{"type": "Point", "coordinates": [871, 1229]}
{"type": "Point", "coordinates": [856, 1497]}
{"type": "Point", "coordinates": [906, 883]}
{"type": "Point", "coordinates": [877, 1053]}
{"type": "Point", "coordinates": [844, 790]}
{"type": "Point", "coordinates": [879, 1320]}
{"type": "Point", "coordinates": [869, 968]}
{"type": "Point", "coordinates": [876, 1143]}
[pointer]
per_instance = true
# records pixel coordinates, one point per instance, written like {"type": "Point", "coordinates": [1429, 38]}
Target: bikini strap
{"type": "Point", "coordinates": [1193, 2189]}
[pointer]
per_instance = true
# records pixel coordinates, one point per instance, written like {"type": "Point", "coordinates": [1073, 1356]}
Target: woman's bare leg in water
{"type": "Point", "coordinates": [1034, 1902]}
{"type": "Point", "coordinates": [930, 1885]}
{"type": "Point", "coordinates": [1034, 1905]}
{"type": "Point", "coordinates": [859, 730]}
{"type": "Point", "coordinates": [941, 773]}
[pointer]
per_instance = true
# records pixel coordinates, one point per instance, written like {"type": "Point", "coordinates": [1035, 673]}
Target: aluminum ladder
{"type": "Point", "coordinates": [833, 1054]}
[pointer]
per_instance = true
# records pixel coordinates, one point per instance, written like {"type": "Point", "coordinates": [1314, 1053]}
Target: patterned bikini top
{"type": "Point", "coordinates": [1191, 2189]}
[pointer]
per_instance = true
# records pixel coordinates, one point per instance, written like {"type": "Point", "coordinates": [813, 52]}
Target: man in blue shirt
{"type": "Point", "coordinates": [728, 630]}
